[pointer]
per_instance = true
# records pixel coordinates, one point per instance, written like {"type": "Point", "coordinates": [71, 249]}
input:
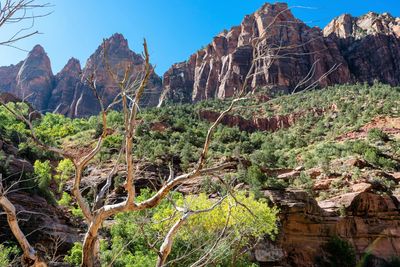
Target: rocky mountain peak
{"type": "Point", "coordinates": [118, 40]}
{"type": "Point", "coordinates": [119, 56]}
{"type": "Point", "coordinates": [270, 13]}
{"type": "Point", "coordinates": [39, 57]}
{"type": "Point", "coordinates": [372, 23]}
{"type": "Point", "coordinates": [35, 77]}
{"type": "Point", "coordinates": [269, 9]}
{"type": "Point", "coordinates": [72, 64]}
{"type": "Point", "coordinates": [66, 93]}
{"type": "Point", "coordinates": [37, 50]}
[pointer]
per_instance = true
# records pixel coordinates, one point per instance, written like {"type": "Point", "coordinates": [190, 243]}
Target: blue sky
{"type": "Point", "coordinates": [174, 28]}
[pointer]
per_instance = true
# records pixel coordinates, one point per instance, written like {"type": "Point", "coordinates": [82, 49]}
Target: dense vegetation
{"type": "Point", "coordinates": [174, 135]}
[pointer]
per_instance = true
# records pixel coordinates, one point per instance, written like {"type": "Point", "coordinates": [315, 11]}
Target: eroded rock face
{"type": "Point", "coordinates": [268, 124]}
{"type": "Point", "coordinates": [67, 93]}
{"type": "Point", "coordinates": [355, 50]}
{"type": "Point", "coordinates": [68, 85]}
{"type": "Point", "coordinates": [371, 223]}
{"type": "Point", "coordinates": [219, 70]}
{"type": "Point", "coordinates": [370, 45]}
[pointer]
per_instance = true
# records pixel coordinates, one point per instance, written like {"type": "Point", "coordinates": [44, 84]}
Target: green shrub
{"type": "Point", "coordinates": [377, 135]}
{"type": "Point", "coordinates": [7, 254]}
{"type": "Point", "coordinates": [66, 201]}
{"type": "Point", "coordinates": [304, 181]}
{"type": "Point", "coordinates": [338, 253]}
{"type": "Point", "coordinates": [65, 170]}
{"type": "Point", "coordinates": [74, 256]}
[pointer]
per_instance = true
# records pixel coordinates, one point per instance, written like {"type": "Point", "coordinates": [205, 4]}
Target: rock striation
{"type": "Point", "coordinates": [348, 50]}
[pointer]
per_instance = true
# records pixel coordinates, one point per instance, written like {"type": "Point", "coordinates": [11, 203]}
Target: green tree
{"type": "Point", "coordinates": [42, 171]}
{"type": "Point", "coordinates": [65, 170]}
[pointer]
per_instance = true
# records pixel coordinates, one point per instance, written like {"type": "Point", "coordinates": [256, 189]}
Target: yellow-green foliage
{"type": "Point", "coordinates": [65, 170]}
{"type": "Point", "coordinates": [7, 253]}
{"type": "Point", "coordinates": [42, 172]}
{"type": "Point", "coordinates": [261, 221]}
{"type": "Point", "coordinates": [11, 127]}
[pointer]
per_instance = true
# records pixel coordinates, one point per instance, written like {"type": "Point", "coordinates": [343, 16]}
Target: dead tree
{"type": "Point", "coordinates": [20, 12]}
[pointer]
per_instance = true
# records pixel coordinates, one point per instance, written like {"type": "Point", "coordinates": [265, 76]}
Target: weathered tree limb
{"type": "Point", "coordinates": [30, 257]}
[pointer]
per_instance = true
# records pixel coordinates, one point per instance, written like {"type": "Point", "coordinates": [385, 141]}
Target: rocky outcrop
{"type": "Point", "coordinates": [347, 26]}
{"type": "Point", "coordinates": [370, 222]}
{"type": "Point", "coordinates": [48, 227]}
{"type": "Point", "coordinates": [67, 93]}
{"type": "Point", "coordinates": [354, 50]}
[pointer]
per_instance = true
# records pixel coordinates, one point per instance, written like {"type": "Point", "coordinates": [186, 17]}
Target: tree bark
{"type": "Point", "coordinates": [91, 246]}
{"type": "Point", "coordinates": [29, 258]}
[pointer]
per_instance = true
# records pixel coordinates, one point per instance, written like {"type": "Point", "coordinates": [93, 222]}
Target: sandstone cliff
{"type": "Point", "coordinates": [349, 49]}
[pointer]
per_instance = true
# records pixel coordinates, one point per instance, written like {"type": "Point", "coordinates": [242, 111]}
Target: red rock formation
{"type": "Point", "coordinates": [31, 79]}
{"type": "Point", "coordinates": [363, 49]}
{"type": "Point", "coordinates": [218, 70]}
{"type": "Point", "coordinates": [371, 224]}
{"type": "Point", "coordinates": [119, 56]}
{"type": "Point", "coordinates": [8, 77]}
{"type": "Point", "coordinates": [47, 222]}
{"type": "Point", "coordinates": [68, 85]}
{"type": "Point", "coordinates": [65, 93]}
{"type": "Point", "coordinates": [268, 124]}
